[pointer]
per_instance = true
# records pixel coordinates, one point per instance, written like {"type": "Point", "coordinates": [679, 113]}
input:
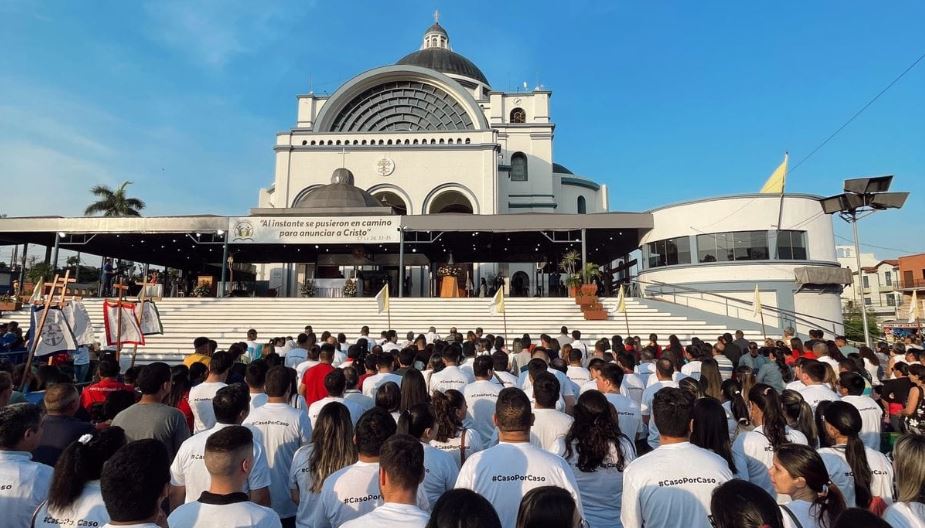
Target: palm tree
{"type": "Point", "coordinates": [114, 203]}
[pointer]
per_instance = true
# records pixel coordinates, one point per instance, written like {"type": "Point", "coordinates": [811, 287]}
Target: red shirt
{"type": "Point", "coordinates": [313, 381]}
{"type": "Point", "coordinates": [98, 392]}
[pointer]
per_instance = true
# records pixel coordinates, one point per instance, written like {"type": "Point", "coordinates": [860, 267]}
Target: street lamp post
{"type": "Point", "coordinates": [862, 198]}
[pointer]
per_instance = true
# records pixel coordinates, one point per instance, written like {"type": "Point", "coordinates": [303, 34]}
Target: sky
{"type": "Point", "coordinates": [662, 101]}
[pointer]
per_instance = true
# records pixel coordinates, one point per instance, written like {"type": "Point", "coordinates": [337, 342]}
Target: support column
{"type": "Point", "coordinates": [22, 267]}
{"type": "Point", "coordinates": [54, 258]}
{"type": "Point", "coordinates": [222, 287]}
{"type": "Point", "coordinates": [401, 262]}
{"type": "Point", "coordinates": [584, 247]}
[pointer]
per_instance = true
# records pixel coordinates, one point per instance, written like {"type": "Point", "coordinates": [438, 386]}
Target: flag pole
{"type": "Point", "coordinates": [763, 331]}
{"type": "Point", "coordinates": [27, 372]}
{"type": "Point", "coordinates": [627, 320]}
{"type": "Point", "coordinates": [504, 315]}
{"type": "Point", "coordinates": [780, 205]}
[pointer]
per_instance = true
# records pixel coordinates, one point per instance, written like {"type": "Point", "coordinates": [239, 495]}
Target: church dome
{"type": "Point", "coordinates": [340, 193]}
{"type": "Point", "coordinates": [436, 54]}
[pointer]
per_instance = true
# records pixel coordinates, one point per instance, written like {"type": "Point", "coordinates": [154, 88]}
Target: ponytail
{"type": "Point", "coordinates": [416, 420]}
{"type": "Point", "coordinates": [800, 415]}
{"type": "Point", "coordinates": [448, 423]}
{"type": "Point", "coordinates": [804, 461]}
{"type": "Point", "coordinates": [81, 462]}
{"type": "Point", "coordinates": [773, 423]}
{"type": "Point", "coordinates": [732, 392]}
{"type": "Point", "coordinates": [831, 504]}
{"type": "Point", "coordinates": [846, 419]}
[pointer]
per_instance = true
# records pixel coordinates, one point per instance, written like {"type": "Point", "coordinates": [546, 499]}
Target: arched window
{"type": "Point", "coordinates": [518, 167]}
{"type": "Point", "coordinates": [518, 115]}
{"type": "Point", "coordinates": [582, 206]}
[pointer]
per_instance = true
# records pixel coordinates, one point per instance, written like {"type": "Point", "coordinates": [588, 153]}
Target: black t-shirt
{"type": "Point", "coordinates": [59, 432]}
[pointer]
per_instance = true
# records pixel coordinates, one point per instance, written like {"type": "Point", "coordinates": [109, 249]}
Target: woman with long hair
{"type": "Point", "coordinates": [745, 375]}
{"type": "Point", "coordinates": [388, 398]}
{"type": "Point", "coordinates": [598, 452]}
{"type": "Point", "coordinates": [179, 392]}
{"type": "Point", "coordinates": [736, 408]}
{"type": "Point", "coordinates": [753, 451]}
{"type": "Point", "coordinates": [740, 504]}
{"type": "Point", "coordinates": [799, 472]}
{"type": "Point", "coordinates": [452, 436]}
{"type": "Point", "coordinates": [711, 381]}
{"type": "Point", "coordinates": [709, 429]}
{"type": "Point", "coordinates": [413, 390]}
{"type": "Point", "coordinates": [871, 364]}
{"type": "Point", "coordinates": [799, 415]}
{"type": "Point", "coordinates": [546, 507]}
{"type": "Point", "coordinates": [420, 422]}
{"type": "Point", "coordinates": [75, 492]}
{"type": "Point", "coordinates": [909, 463]}
{"type": "Point", "coordinates": [331, 449]}
{"type": "Point", "coordinates": [775, 372]}
{"type": "Point", "coordinates": [913, 413]}
{"type": "Point", "coordinates": [862, 474]}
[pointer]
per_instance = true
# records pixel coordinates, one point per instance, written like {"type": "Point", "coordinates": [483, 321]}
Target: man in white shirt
{"type": "Point", "coordinates": [299, 353]}
{"type": "Point", "coordinates": [722, 361]}
{"type": "Point", "coordinates": [672, 486]}
{"type": "Point", "coordinates": [281, 429]}
{"type": "Point", "coordinates": [364, 335]}
{"type": "Point", "coordinates": [501, 370]}
{"type": "Point", "coordinates": [255, 377]}
{"type": "Point", "coordinates": [564, 337]}
{"type": "Point", "coordinates": [481, 396]}
{"type": "Point", "coordinates": [851, 388]}
{"type": "Point", "coordinates": [575, 372]}
{"type": "Point", "coordinates": [229, 455]}
{"type": "Point", "coordinates": [628, 413]}
{"type": "Point", "coordinates": [432, 335]}
{"type": "Point", "coordinates": [200, 396]}
{"type": "Point", "coordinates": [821, 351]}
{"type": "Point", "coordinates": [354, 491]}
{"type": "Point", "coordinates": [335, 383]}
{"type": "Point", "coordinates": [189, 476]}
{"type": "Point", "coordinates": [632, 385]}
{"type": "Point", "coordinates": [468, 354]}
{"type": "Point", "coordinates": [254, 349]}
{"type": "Point", "coordinates": [401, 471]}
{"type": "Point", "coordinates": [578, 345]}
{"type": "Point", "coordinates": [134, 485]}
{"type": "Point", "coordinates": [520, 358]}
{"type": "Point", "coordinates": [646, 365]}
{"type": "Point", "coordinates": [549, 425]}
{"type": "Point", "coordinates": [451, 377]}
{"type": "Point", "coordinates": [391, 343]}
{"type": "Point", "coordinates": [503, 474]}
{"type": "Point", "coordinates": [663, 371]}
{"type": "Point", "coordinates": [566, 389]}
{"type": "Point", "coordinates": [384, 363]}
{"type": "Point", "coordinates": [23, 483]}
{"type": "Point", "coordinates": [352, 393]}
{"type": "Point", "coordinates": [815, 390]}
{"type": "Point", "coordinates": [692, 367]}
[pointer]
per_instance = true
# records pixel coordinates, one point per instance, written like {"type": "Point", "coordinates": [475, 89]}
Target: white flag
{"type": "Point", "coordinates": [56, 335]}
{"type": "Point", "coordinates": [757, 303]}
{"type": "Point", "coordinates": [621, 301]}
{"type": "Point", "coordinates": [130, 332]}
{"type": "Point", "coordinates": [913, 308]}
{"type": "Point", "coordinates": [38, 292]}
{"type": "Point", "coordinates": [497, 303]}
{"type": "Point", "coordinates": [150, 321]}
{"type": "Point", "coordinates": [382, 299]}
{"type": "Point", "coordinates": [79, 321]}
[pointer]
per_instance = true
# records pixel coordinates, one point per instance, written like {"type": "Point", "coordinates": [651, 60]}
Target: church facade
{"type": "Point", "coordinates": [429, 135]}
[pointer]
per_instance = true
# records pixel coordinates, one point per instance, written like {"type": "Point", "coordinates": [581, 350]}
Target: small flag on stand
{"type": "Point", "coordinates": [778, 179]}
{"type": "Point", "coordinates": [497, 303]}
{"type": "Point", "coordinates": [621, 301]}
{"type": "Point", "coordinates": [38, 292]}
{"type": "Point", "coordinates": [79, 320]}
{"type": "Point", "coordinates": [121, 329]}
{"type": "Point", "coordinates": [382, 299]}
{"type": "Point", "coordinates": [56, 335]}
{"type": "Point", "coordinates": [757, 303]}
{"type": "Point", "coordinates": [151, 322]}
{"type": "Point", "coordinates": [914, 307]}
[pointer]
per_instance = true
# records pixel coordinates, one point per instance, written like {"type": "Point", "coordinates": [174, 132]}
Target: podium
{"type": "Point", "coordinates": [449, 287]}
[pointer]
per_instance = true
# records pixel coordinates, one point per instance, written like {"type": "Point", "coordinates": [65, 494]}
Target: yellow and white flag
{"type": "Point", "coordinates": [914, 308]}
{"type": "Point", "coordinates": [497, 303]}
{"type": "Point", "coordinates": [38, 292]}
{"type": "Point", "coordinates": [778, 179]}
{"type": "Point", "coordinates": [621, 301]}
{"type": "Point", "coordinates": [757, 303]}
{"type": "Point", "coordinates": [382, 299]}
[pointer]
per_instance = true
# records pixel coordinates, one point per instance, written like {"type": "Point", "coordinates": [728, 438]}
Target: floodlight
{"type": "Point", "coordinates": [889, 200]}
{"type": "Point", "coordinates": [868, 185]}
{"type": "Point", "coordinates": [841, 202]}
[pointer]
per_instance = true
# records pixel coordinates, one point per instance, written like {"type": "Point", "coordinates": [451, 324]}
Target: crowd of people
{"type": "Point", "coordinates": [469, 430]}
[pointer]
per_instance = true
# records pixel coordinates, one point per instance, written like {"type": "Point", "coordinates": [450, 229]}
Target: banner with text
{"type": "Point", "coordinates": [313, 229]}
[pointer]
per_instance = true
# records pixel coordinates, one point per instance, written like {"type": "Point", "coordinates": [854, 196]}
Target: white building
{"type": "Point", "coordinates": [878, 287]}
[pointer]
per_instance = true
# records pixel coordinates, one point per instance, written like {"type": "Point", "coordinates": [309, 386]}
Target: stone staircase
{"type": "Point", "coordinates": [227, 320]}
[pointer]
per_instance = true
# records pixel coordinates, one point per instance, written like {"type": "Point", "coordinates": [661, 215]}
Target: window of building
{"type": "Point", "coordinates": [518, 115]}
{"type": "Point", "coordinates": [668, 252]}
{"type": "Point", "coordinates": [890, 300]}
{"type": "Point", "coordinates": [867, 301]}
{"type": "Point", "coordinates": [519, 167]}
{"type": "Point", "coordinates": [866, 280]}
{"type": "Point", "coordinates": [791, 245]}
{"type": "Point", "coordinates": [738, 245]}
{"type": "Point", "coordinates": [582, 206]}
{"type": "Point", "coordinates": [887, 278]}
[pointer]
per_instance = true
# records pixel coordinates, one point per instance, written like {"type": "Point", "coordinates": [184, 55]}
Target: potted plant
{"type": "Point", "coordinates": [203, 290]}
{"type": "Point", "coordinates": [350, 288]}
{"type": "Point", "coordinates": [568, 265]}
{"type": "Point", "coordinates": [307, 289]}
{"type": "Point", "coordinates": [589, 272]}
{"type": "Point", "coordinates": [9, 303]}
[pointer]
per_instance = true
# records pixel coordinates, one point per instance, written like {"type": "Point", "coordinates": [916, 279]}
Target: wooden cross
{"type": "Point", "coordinates": [36, 335]}
{"type": "Point", "coordinates": [121, 287]}
{"type": "Point", "coordinates": [141, 318]}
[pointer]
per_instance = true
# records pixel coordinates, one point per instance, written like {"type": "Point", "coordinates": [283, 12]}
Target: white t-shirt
{"type": "Point", "coordinates": [644, 369]}
{"type": "Point", "coordinates": [578, 375]}
{"type": "Point", "coordinates": [361, 400]}
{"type": "Point", "coordinates": [506, 472]}
{"type": "Point", "coordinates": [389, 346]}
{"type": "Point", "coordinates": [565, 387]}
{"type": "Point", "coordinates": [467, 368]}
{"type": "Point", "coordinates": [189, 468]}
{"type": "Point", "coordinates": [628, 415]}
{"type": "Point", "coordinates": [881, 483]}
{"type": "Point", "coordinates": [507, 379]}
{"type": "Point", "coordinates": [753, 456]}
{"type": "Point", "coordinates": [481, 397]}
{"type": "Point", "coordinates": [240, 514]}
{"type": "Point", "coordinates": [549, 429]}
{"type": "Point", "coordinates": [254, 349]}
{"type": "Point", "coordinates": [602, 489]}
{"type": "Point", "coordinates": [451, 377]}
{"type": "Point", "coordinates": [87, 510]}
{"type": "Point", "coordinates": [672, 486]}
{"type": "Point", "coordinates": [372, 383]}
{"type": "Point", "coordinates": [796, 385]}
{"type": "Point", "coordinates": [648, 395]}
{"type": "Point", "coordinates": [804, 511]}
{"type": "Point", "coordinates": [633, 386]}
{"type": "Point", "coordinates": [905, 515]}
{"type": "Point", "coordinates": [353, 407]}
{"type": "Point", "coordinates": [813, 394]}
{"type": "Point", "coordinates": [300, 478]}
{"type": "Point", "coordinates": [23, 486]}
{"type": "Point", "coordinates": [675, 376]}
{"type": "Point", "coordinates": [391, 515]}
{"type": "Point", "coordinates": [440, 472]}
{"type": "Point", "coordinates": [830, 361]}
{"type": "Point", "coordinates": [692, 369]}
{"type": "Point", "coordinates": [474, 443]}
{"type": "Point", "coordinates": [871, 419]}
{"type": "Point", "coordinates": [200, 401]}
{"type": "Point", "coordinates": [282, 430]}
{"type": "Point", "coordinates": [295, 357]}
{"type": "Point", "coordinates": [303, 366]}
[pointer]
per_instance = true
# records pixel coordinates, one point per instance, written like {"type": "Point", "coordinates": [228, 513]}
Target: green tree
{"type": "Point", "coordinates": [854, 325]}
{"type": "Point", "coordinates": [114, 202]}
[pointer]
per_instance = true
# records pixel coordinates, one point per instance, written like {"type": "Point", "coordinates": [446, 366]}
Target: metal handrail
{"type": "Point", "coordinates": [808, 319]}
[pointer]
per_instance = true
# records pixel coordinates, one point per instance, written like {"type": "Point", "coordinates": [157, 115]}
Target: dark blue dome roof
{"type": "Point", "coordinates": [444, 61]}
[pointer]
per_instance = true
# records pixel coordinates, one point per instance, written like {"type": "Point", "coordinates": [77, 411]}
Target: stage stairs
{"type": "Point", "coordinates": [227, 320]}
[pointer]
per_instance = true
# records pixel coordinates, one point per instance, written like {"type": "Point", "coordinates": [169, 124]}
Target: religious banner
{"type": "Point", "coordinates": [151, 321]}
{"type": "Point", "coordinates": [56, 334]}
{"type": "Point", "coordinates": [79, 320]}
{"type": "Point", "coordinates": [121, 324]}
{"type": "Point", "coordinates": [313, 229]}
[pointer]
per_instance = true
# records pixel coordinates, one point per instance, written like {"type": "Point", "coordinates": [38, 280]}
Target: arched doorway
{"type": "Point", "coordinates": [520, 285]}
{"type": "Point", "coordinates": [390, 199]}
{"type": "Point", "coordinates": [451, 202]}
